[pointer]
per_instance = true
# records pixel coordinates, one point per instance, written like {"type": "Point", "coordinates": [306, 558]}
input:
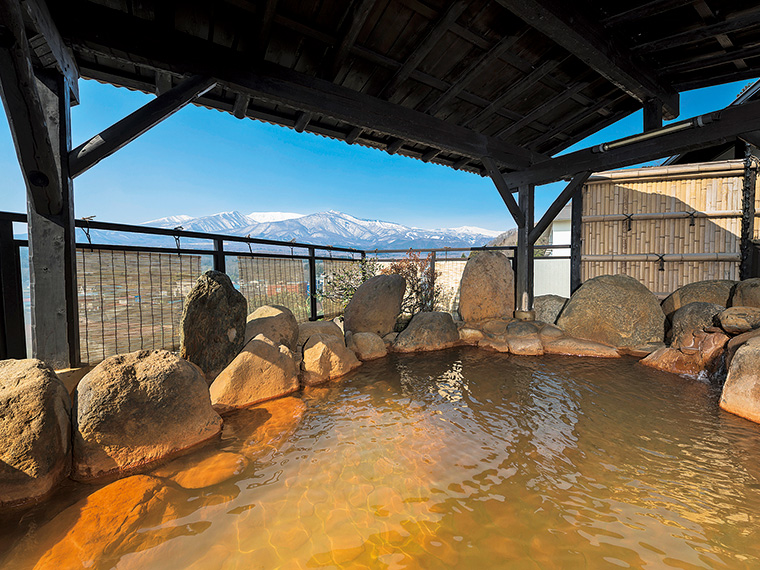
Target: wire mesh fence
{"type": "Point", "coordinates": [329, 298]}
{"type": "Point", "coordinates": [275, 281]}
{"type": "Point", "coordinates": [132, 301]}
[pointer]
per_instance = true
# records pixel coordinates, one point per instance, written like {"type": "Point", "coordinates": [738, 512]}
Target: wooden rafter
{"type": "Point", "coordinates": [350, 31]}
{"type": "Point", "coordinates": [435, 33]}
{"type": "Point", "coordinates": [647, 10]}
{"type": "Point", "coordinates": [588, 42]}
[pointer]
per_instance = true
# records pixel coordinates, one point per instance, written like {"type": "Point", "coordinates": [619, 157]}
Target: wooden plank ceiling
{"type": "Point", "coordinates": [441, 81]}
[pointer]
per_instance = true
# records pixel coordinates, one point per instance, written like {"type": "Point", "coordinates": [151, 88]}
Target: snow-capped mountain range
{"type": "Point", "coordinates": [328, 228]}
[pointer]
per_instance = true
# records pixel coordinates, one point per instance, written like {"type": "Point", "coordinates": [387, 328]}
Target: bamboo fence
{"type": "Point", "coordinates": [665, 226]}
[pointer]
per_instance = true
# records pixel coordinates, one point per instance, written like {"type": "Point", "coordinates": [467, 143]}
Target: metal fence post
{"type": "Point", "coordinates": [312, 285]}
{"type": "Point", "coordinates": [219, 257]}
{"type": "Point", "coordinates": [12, 331]}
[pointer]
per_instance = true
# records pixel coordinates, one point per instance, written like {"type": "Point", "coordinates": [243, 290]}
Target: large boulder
{"type": "Point", "coordinates": [738, 320]}
{"type": "Point", "coordinates": [717, 291]}
{"type": "Point", "coordinates": [212, 330]}
{"type": "Point", "coordinates": [326, 358]}
{"type": "Point", "coordinates": [262, 371]}
{"type": "Point", "coordinates": [35, 433]}
{"type": "Point", "coordinates": [275, 322]}
{"type": "Point", "coordinates": [428, 331]}
{"type": "Point", "coordinates": [689, 319]}
{"type": "Point", "coordinates": [308, 329]}
{"type": "Point", "coordinates": [736, 342]}
{"type": "Point", "coordinates": [375, 305]}
{"type": "Point", "coordinates": [615, 310]}
{"type": "Point", "coordinates": [741, 392]}
{"type": "Point", "coordinates": [366, 345]}
{"type": "Point", "coordinates": [135, 409]}
{"type": "Point", "coordinates": [487, 290]}
{"type": "Point", "coordinates": [747, 293]}
{"type": "Point", "coordinates": [548, 307]}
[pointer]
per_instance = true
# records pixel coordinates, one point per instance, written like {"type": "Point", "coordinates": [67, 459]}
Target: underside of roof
{"type": "Point", "coordinates": [442, 81]}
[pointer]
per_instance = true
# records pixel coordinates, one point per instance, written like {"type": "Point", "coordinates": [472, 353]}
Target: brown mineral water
{"type": "Point", "coordinates": [455, 459]}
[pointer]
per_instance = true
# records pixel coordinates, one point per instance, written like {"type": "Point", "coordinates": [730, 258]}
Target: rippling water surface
{"type": "Point", "coordinates": [461, 459]}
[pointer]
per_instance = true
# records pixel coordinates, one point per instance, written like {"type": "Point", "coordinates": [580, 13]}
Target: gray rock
{"type": "Point", "coordinates": [428, 331]}
{"type": "Point", "coordinates": [549, 307]}
{"type": "Point", "coordinates": [367, 346]}
{"type": "Point", "coordinates": [738, 320]}
{"type": "Point", "coordinates": [375, 305]}
{"type": "Point", "coordinates": [522, 328]}
{"type": "Point", "coordinates": [616, 310]}
{"type": "Point", "coordinates": [717, 291]}
{"type": "Point", "coordinates": [135, 409]}
{"type": "Point", "coordinates": [212, 329]}
{"type": "Point", "coordinates": [689, 319]}
{"type": "Point", "coordinates": [741, 392]}
{"type": "Point", "coordinates": [35, 436]}
{"type": "Point", "coordinates": [487, 290]}
{"type": "Point", "coordinates": [747, 293]}
{"type": "Point", "coordinates": [275, 322]}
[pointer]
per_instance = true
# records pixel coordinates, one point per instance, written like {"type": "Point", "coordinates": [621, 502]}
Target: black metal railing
{"type": "Point", "coordinates": [131, 294]}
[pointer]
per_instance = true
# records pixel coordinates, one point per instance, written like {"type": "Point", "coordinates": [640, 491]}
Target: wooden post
{"type": "Point", "coordinates": [52, 249]}
{"type": "Point", "coordinates": [12, 333]}
{"type": "Point", "coordinates": [748, 215]}
{"type": "Point", "coordinates": [524, 257]}
{"type": "Point", "coordinates": [652, 115]}
{"type": "Point", "coordinates": [312, 285]}
{"type": "Point", "coordinates": [576, 240]}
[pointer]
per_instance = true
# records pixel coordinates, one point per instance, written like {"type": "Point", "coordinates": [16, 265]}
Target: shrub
{"type": "Point", "coordinates": [341, 285]}
{"type": "Point", "coordinates": [422, 291]}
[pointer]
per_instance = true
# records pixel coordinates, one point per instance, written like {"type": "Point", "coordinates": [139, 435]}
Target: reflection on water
{"type": "Point", "coordinates": [454, 459]}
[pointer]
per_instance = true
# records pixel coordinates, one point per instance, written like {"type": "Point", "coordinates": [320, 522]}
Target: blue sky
{"type": "Point", "coordinates": [201, 161]}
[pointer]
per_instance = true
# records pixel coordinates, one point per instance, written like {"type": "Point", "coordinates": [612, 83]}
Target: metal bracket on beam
{"type": "Point", "coordinates": [132, 126]}
{"type": "Point", "coordinates": [506, 194]}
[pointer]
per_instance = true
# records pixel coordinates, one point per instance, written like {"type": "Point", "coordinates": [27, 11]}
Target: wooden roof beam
{"type": "Point", "coordinates": [471, 72]}
{"type": "Point", "coordinates": [501, 185]}
{"type": "Point", "coordinates": [564, 197]}
{"type": "Point", "coordinates": [265, 27]}
{"type": "Point", "coordinates": [62, 58]}
{"type": "Point", "coordinates": [716, 128]}
{"type": "Point", "coordinates": [647, 10]}
{"type": "Point", "coordinates": [433, 36]}
{"type": "Point", "coordinates": [182, 54]}
{"type": "Point", "coordinates": [121, 133]}
{"type": "Point", "coordinates": [588, 42]}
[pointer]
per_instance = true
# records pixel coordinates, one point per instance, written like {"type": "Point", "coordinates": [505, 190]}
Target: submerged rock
{"type": "Point", "coordinates": [275, 322]}
{"type": "Point", "coordinates": [199, 470]}
{"type": "Point", "coordinates": [375, 305]}
{"type": "Point", "coordinates": [135, 409]}
{"type": "Point", "coordinates": [428, 331]}
{"type": "Point", "coordinates": [263, 370]}
{"type": "Point", "coordinates": [704, 356]}
{"type": "Point", "coordinates": [367, 345]}
{"type": "Point", "coordinates": [326, 358]}
{"type": "Point", "coordinates": [747, 293]}
{"type": "Point", "coordinates": [125, 516]}
{"type": "Point", "coordinates": [716, 291]}
{"type": "Point", "coordinates": [525, 345]}
{"type": "Point", "coordinates": [549, 307]}
{"type": "Point", "coordinates": [213, 323]}
{"type": "Point", "coordinates": [577, 347]}
{"type": "Point", "coordinates": [741, 392]}
{"type": "Point", "coordinates": [738, 320]}
{"type": "Point", "coordinates": [487, 290]}
{"type": "Point", "coordinates": [35, 432]}
{"type": "Point", "coordinates": [616, 310]}
{"type": "Point", "coordinates": [690, 319]}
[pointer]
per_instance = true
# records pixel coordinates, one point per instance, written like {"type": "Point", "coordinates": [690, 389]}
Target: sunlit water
{"type": "Point", "coordinates": [461, 459]}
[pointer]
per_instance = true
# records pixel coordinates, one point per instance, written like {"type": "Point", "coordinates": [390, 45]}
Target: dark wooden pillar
{"type": "Point", "coordinates": [746, 269]}
{"type": "Point", "coordinates": [524, 257]}
{"type": "Point", "coordinates": [576, 240]}
{"type": "Point", "coordinates": [37, 105]}
{"type": "Point", "coordinates": [652, 115]}
{"type": "Point", "coordinates": [12, 333]}
{"type": "Point", "coordinates": [52, 252]}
